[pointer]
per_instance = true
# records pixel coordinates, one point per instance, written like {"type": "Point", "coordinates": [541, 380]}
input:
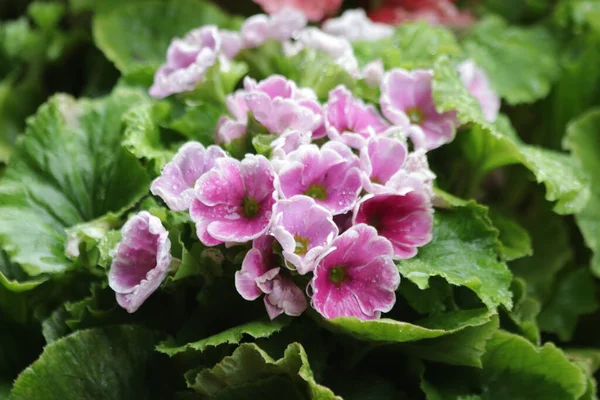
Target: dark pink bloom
{"type": "Point", "coordinates": [330, 175]}
{"type": "Point", "coordinates": [260, 275]}
{"type": "Point", "coordinates": [477, 82]}
{"type": "Point", "coordinates": [406, 100]}
{"type": "Point", "coordinates": [141, 260]}
{"type": "Point", "coordinates": [176, 183]}
{"type": "Point", "coordinates": [234, 201]}
{"type": "Point", "coordinates": [434, 12]}
{"type": "Point", "coordinates": [406, 220]}
{"type": "Point", "coordinates": [358, 278]}
{"type": "Point", "coordinates": [314, 10]}
{"type": "Point", "coordinates": [349, 120]}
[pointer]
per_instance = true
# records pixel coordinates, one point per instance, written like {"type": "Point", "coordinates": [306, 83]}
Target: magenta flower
{"type": "Point", "coordinates": [406, 220]}
{"type": "Point", "coordinates": [406, 99]}
{"type": "Point", "coordinates": [358, 278]}
{"type": "Point", "coordinates": [354, 25]}
{"type": "Point", "coordinates": [276, 103]}
{"type": "Point", "coordinates": [141, 260]}
{"type": "Point", "coordinates": [234, 200]}
{"type": "Point", "coordinates": [380, 159]}
{"type": "Point", "coordinates": [260, 275]}
{"type": "Point", "coordinates": [304, 229]}
{"type": "Point", "coordinates": [188, 59]}
{"type": "Point", "coordinates": [349, 120]}
{"type": "Point", "coordinates": [477, 82]}
{"type": "Point", "coordinates": [314, 10]}
{"type": "Point", "coordinates": [330, 175]}
{"type": "Point", "coordinates": [176, 183]}
{"type": "Point", "coordinates": [283, 25]}
{"type": "Point", "coordinates": [414, 175]}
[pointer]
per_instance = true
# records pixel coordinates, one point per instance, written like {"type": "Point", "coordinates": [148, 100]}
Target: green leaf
{"type": "Point", "coordinates": [515, 240]}
{"type": "Point", "coordinates": [515, 369]}
{"type": "Point", "coordinates": [463, 251]}
{"type": "Point", "coordinates": [142, 135]}
{"type": "Point", "coordinates": [255, 329]}
{"type": "Point", "coordinates": [525, 311]}
{"type": "Point", "coordinates": [414, 45]}
{"type": "Point", "coordinates": [14, 279]}
{"type": "Point", "coordinates": [465, 347]}
{"type": "Point", "coordinates": [498, 48]}
{"type": "Point", "coordinates": [565, 182]}
{"type": "Point", "coordinates": [574, 295]}
{"type": "Point", "coordinates": [103, 363]}
{"type": "Point", "coordinates": [583, 139]}
{"type": "Point", "coordinates": [249, 364]}
{"type": "Point", "coordinates": [432, 300]}
{"type": "Point", "coordinates": [389, 330]}
{"type": "Point", "coordinates": [46, 15]}
{"type": "Point", "coordinates": [133, 46]}
{"type": "Point", "coordinates": [68, 169]}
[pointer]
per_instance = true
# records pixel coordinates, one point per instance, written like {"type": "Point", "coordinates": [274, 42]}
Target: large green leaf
{"type": "Point", "coordinates": [573, 296]}
{"type": "Point", "coordinates": [414, 45]}
{"type": "Point", "coordinates": [256, 329]}
{"type": "Point", "coordinates": [249, 364]}
{"type": "Point", "coordinates": [389, 330]}
{"type": "Point", "coordinates": [463, 251]}
{"type": "Point", "coordinates": [498, 48]}
{"type": "Point", "coordinates": [515, 240]}
{"type": "Point", "coordinates": [565, 182]}
{"type": "Point", "coordinates": [137, 34]}
{"type": "Point", "coordinates": [515, 369]}
{"type": "Point", "coordinates": [68, 169]}
{"type": "Point", "coordinates": [583, 139]}
{"type": "Point", "coordinates": [103, 363]}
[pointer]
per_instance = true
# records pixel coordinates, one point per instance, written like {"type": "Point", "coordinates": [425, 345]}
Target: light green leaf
{"type": "Point", "coordinates": [463, 251]}
{"type": "Point", "coordinates": [515, 369]}
{"type": "Point", "coordinates": [46, 15]}
{"type": "Point", "coordinates": [465, 347]}
{"type": "Point", "coordinates": [389, 330]}
{"type": "Point", "coordinates": [104, 363]}
{"type": "Point", "coordinates": [249, 364]}
{"type": "Point", "coordinates": [255, 329]}
{"type": "Point", "coordinates": [565, 182]}
{"type": "Point", "coordinates": [68, 169]}
{"type": "Point", "coordinates": [583, 139]}
{"type": "Point", "coordinates": [414, 45]}
{"type": "Point", "coordinates": [142, 136]}
{"type": "Point", "coordinates": [498, 48]}
{"type": "Point", "coordinates": [525, 311]}
{"type": "Point", "coordinates": [573, 296]}
{"type": "Point", "coordinates": [144, 43]}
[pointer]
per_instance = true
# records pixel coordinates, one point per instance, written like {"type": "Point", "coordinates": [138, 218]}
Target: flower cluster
{"type": "Point", "coordinates": [334, 196]}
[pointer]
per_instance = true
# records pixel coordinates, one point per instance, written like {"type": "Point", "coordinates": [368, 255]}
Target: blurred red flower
{"type": "Point", "coordinates": [435, 12]}
{"type": "Point", "coordinates": [314, 10]}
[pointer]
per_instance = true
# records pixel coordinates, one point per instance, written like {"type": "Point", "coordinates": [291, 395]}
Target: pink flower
{"type": "Point", "coordinates": [477, 82]}
{"type": "Point", "coordinates": [281, 26]}
{"type": "Point", "coordinates": [354, 25]}
{"type": "Point", "coordinates": [234, 200]}
{"type": "Point", "coordinates": [414, 175]}
{"type": "Point", "coordinates": [289, 141]}
{"type": "Point", "coordinates": [358, 278]}
{"type": "Point", "coordinates": [314, 10]}
{"type": "Point", "coordinates": [276, 103]}
{"type": "Point", "coordinates": [406, 220]}
{"type": "Point", "coordinates": [349, 120]}
{"type": "Point", "coordinates": [380, 160]}
{"type": "Point", "coordinates": [176, 183]}
{"type": "Point", "coordinates": [434, 12]}
{"type": "Point", "coordinates": [260, 275]}
{"type": "Point", "coordinates": [329, 175]}
{"type": "Point", "coordinates": [372, 73]}
{"type": "Point", "coordinates": [141, 260]}
{"type": "Point", "coordinates": [340, 49]}
{"type": "Point", "coordinates": [188, 59]}
{"type": "Point", "coordinates": [304, 229]}
{"type": "Point", "coordinates": [406, 99]}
